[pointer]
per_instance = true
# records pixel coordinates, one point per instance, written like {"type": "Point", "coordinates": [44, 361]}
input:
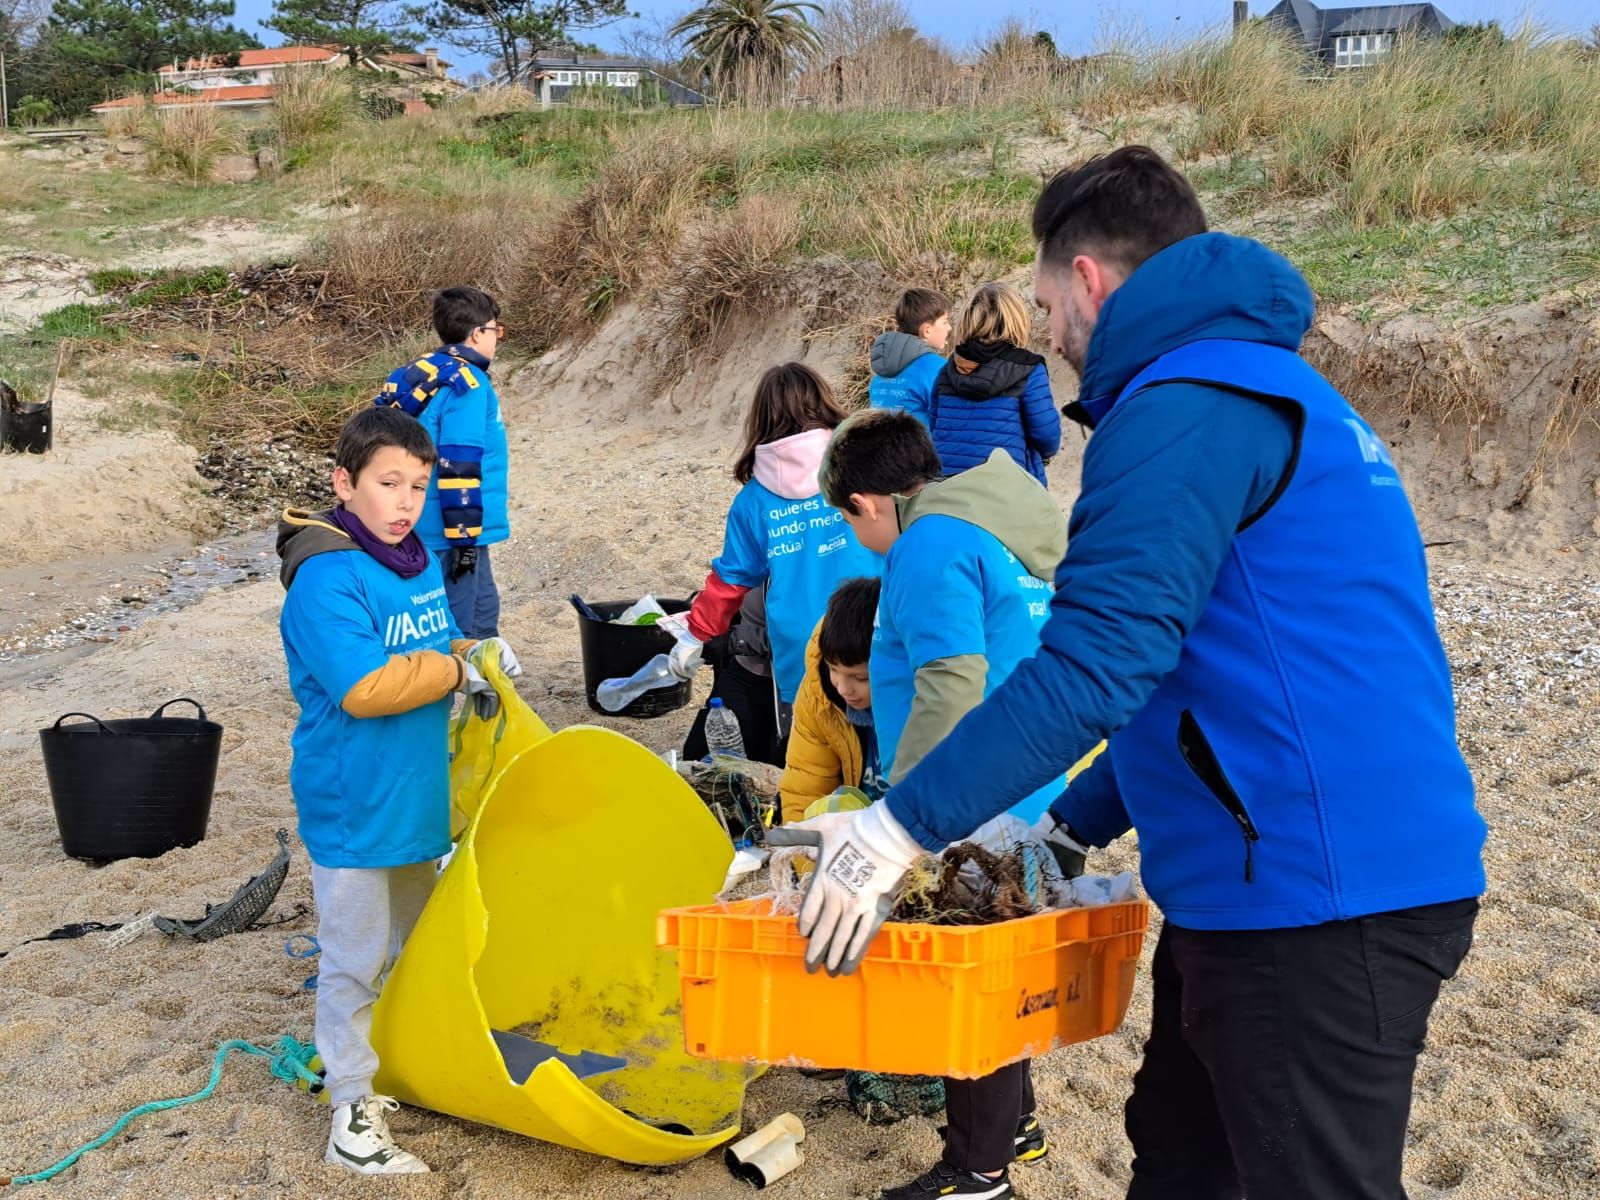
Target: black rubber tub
{"type": "Point", "coordinates": [23, 427]}
{"type": "Point", "coordinates": [133, 788]}
{"type": "Point", "coordinates": [617, 651]}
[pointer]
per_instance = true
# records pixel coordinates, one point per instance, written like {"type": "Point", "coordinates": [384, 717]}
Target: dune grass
{"type": "Point", "coordinates": [1454, 177]}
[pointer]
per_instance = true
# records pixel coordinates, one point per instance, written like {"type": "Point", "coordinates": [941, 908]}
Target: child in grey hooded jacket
{"type": "Point", "coordinates": [907, 360]}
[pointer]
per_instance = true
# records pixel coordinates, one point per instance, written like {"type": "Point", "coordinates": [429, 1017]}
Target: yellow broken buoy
{"type": "Point", "coordinates": [531, 995]}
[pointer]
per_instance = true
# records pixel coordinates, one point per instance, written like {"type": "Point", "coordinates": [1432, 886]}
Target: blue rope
{"type": "Point", "coordinates": [1032, 877]}
{"type": "Point", "coordinates": [289, 1062]}
{"type": "Point", "coordinates": [311, 949]}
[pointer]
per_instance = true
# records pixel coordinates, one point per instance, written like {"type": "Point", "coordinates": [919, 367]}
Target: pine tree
{"type": "Point", "coordinates": [360, 26]}
{"type": "Point", "coordinates": [509, 31]}
{"type": "Point", "coordinates": [105, 45]}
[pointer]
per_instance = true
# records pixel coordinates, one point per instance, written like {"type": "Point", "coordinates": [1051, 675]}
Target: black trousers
{"type": "Point", "coordinates": [983, 1115]}
{"type": "Point", "coordinates": [1280, 1061]}
{"type": "Point", "coordinates": [752, 698]}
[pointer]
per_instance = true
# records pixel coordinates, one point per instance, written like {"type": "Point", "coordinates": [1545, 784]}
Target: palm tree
{"type": "Point", "coordinates": [749, 46]}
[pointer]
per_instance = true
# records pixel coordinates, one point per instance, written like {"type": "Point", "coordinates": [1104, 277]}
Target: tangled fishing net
{"type": "Point", "coordinates": [969, 884]}
{"type": "Point", "coordinates": [999, 875]}
{"type": "Point", "coordinates": [741, 794]}
{"type": "Point", "coordinates": [884, 1099]}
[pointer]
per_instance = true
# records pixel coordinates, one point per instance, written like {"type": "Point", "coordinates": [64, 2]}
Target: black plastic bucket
{"type": "Point", "coordinates": [23, 427]}
{"type": "Point", "coordinates": [617, 651]}
{"type": "Point", "coordinates": [133, 788]}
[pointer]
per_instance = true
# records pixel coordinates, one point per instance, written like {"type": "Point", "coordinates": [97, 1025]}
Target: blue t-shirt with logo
{"type": "Point", "coordinates": [910, 391]}
{"type": "Point", "coordinates": [370, 791]}
{"type": "Point", "coordinates": [806, 550]}
{"type": "Point", "coordinates": [951, 588]}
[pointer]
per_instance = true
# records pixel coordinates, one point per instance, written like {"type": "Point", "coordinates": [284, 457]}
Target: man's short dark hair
{"type": "Point", "coordinates": [846, 637]}
{"type": "Point", "coordinates": [458, 311]}
{"type": "Point", "coordinates": [371, 429]}
{"type": "Point", "coordinates": [879, 452]}
{"type": "Point", "coordinates": [1124, 207]}
{"type": "Point", "coordinates": [917, 307]}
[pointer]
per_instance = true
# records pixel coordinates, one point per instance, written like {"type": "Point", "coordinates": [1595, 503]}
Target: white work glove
{"type": "Point", "coordinates": [1063, 844]}
{"type": "Point", "coordinates": [861, 859]}
{"type": "Point", "coordinates": [687, 649]}
{"type": "Point", "coordinates": [500, 648]}
{"type": "Point", "coordinates": [685, 657]}
{"type": "Point", "coordinates": [480, 692]}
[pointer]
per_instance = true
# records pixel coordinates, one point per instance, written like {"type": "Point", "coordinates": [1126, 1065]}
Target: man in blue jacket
{"type": "Point", "coordinates": [1243, 610]}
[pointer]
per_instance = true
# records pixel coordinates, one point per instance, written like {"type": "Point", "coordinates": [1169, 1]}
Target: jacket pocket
{"type": "Point", "coordinates": [1202, 760]}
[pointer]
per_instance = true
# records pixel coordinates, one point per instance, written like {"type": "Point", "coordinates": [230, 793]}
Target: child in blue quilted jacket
{"type": "Point", "coordinates": [994, 393]}
{"type": "Point", "coordinates": [450, 393]}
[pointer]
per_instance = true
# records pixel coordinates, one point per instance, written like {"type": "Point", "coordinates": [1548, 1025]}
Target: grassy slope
{"type": "Point", "coordinates": [1453, 180]}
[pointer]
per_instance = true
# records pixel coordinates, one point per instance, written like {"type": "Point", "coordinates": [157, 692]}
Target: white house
{"type": "Point", "coordinates": [554, 78]}
{"type": "Point", "coordinates": [255, 67]}
{"type": "Point", "coordinates": [251, 81]}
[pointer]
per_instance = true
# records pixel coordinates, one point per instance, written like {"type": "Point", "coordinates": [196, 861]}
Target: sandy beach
{"type": "Point", "coordinates": [1508, 1096]}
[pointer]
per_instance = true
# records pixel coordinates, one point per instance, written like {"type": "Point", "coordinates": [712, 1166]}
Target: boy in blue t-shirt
{"type": "Point", "coordinates": [907, 360]}
{"type": "Point", "coordinates": [374, 657]}
{"type": "Point", "coordinates": [450, 393]}
{"type": "Point", "coordinates": [965, 590]}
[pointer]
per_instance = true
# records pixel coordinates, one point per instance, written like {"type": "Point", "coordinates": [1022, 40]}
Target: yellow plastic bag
{"type": "Point", "coordinates": [542, 930]}
{"type": "Point", "coordinates": [477, 747]}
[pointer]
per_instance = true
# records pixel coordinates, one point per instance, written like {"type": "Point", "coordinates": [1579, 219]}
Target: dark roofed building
{"type": "Point", "coordinates": [1356, 37]}
{"type": "Point", "coordinates": [554, 78]}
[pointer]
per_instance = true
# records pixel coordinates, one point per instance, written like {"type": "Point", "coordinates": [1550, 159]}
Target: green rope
{"type": "Point", "coordinates": [289, 1062]}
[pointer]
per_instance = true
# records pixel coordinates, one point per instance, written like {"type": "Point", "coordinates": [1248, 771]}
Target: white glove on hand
{"type": "Point", "coordinates": [480, 692]}
{"type": "Point", "coordinates": [685, 657]}
{"type": "Point", "coordinates": [500, 648]}
{"type": "Point", "coordinates": [861, 859]}
{"type": "Point", "coordinates": [1067, 850]}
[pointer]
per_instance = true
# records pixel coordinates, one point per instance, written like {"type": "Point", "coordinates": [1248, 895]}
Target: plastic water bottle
{"type": "Point", "coordinates": [614, 695]}
{"type": "Point", "coordinates": [723, 736]}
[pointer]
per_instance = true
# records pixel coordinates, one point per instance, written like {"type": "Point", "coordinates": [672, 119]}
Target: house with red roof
{"type": "Point", "coordinates": [249, 79]}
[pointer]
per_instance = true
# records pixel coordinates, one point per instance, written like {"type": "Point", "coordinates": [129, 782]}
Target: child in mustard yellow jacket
{"type": "Point", "coordinates": [833, 743]}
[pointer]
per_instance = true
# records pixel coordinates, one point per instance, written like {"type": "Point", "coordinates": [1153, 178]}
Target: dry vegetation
{"type": "Point", "coordinates": [397, 255]}
{"type": "Point", "coordinates": [736, 269]}
{"type": "Point", "coordinates": [311, 104]}
{"type": "Point", "coordinates": [187, 141]}
{"type": "Point", "coordinates": [1473, 166]}
{"type": "Point", "coordinates": [122, 123]}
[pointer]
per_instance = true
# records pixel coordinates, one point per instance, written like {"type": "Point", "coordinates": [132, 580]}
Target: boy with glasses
{"type": "Point", "coordinates": [449, 392]}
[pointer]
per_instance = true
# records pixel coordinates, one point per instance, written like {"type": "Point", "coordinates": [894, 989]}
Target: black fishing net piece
{"type": "Point", "coordinates": [241, 912]}
{"type": "Point", "coordinates": [886, 1099]}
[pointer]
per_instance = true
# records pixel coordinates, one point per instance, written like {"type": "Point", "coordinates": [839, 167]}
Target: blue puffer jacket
{"type": "Point", "coordinates": [994, 396]}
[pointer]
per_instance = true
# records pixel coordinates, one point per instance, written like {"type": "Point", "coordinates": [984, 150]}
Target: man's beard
{"type": "Point", "coordinates": [1075, 346]}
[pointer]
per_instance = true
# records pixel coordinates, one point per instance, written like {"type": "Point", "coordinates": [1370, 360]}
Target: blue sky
{"type": "Point", "coordinates": [1078, 31]}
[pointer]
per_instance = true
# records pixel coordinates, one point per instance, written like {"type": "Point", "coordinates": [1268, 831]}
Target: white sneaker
{"type": "Point", "coordinates": [360, 1140]}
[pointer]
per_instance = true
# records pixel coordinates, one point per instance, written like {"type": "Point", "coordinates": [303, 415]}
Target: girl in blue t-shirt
{"type": "Point", "coordinates": [782, 535]}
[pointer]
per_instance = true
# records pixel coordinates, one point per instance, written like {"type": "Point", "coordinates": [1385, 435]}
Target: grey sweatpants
{"type": "Point", "coordinates": [363, 919]}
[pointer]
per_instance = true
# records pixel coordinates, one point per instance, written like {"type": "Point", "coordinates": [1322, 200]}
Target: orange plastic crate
{"type": "Point", "coordinates": [927, 999]}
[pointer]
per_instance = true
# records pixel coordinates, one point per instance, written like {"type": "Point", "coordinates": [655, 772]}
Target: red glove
{"type": "Point", "coordinates": [714, 608]}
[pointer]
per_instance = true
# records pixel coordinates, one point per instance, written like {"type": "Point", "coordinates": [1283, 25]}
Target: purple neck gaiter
{"type": "Point", "coordinates": [408, 559]}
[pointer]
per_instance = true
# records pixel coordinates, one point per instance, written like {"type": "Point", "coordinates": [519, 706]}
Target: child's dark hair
{"type": "Point", "coordinates": [1124, 206]}
{"type": "Point", "coordinates": [917, 307]}
{"type": "Point", "coordinates": [879, 452]}
{"type": "Point", "coordinates": [371, 429]}
{"type": "Point", "coordinates": [846, 637]}
{"type": "Point", "coordinates": [458, 311]}
{"type": "Point", "coordinates": [789, 399]}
